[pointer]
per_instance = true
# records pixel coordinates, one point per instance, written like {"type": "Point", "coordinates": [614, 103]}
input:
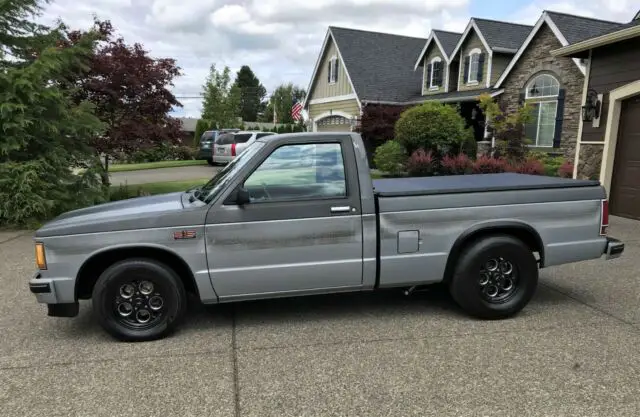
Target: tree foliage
{"type": "Point", "coordinates": [130, 91]}
{"type": "Point", "coordinates": [432, 126]}
{"type": "Point", "coordinates": [252, 94]}
{"type": "Point", "coordinates": [282, 100]}
{"type": "Point", "coordinates": [221, 100]}
{"type": "Point", "coordinates": [46, 133]}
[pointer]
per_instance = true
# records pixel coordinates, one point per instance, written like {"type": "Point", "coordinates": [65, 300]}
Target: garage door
{"type": "Point", "coordinates": [625, 184]}
{"type": "Point", "coordinates": [334, 124]}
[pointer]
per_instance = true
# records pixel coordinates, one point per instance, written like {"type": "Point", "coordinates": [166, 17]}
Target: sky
{"type": "Point", "coordinates": [280, 40]}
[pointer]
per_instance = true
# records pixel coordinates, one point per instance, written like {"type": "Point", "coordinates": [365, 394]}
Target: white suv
{"type": "Point", "coordinates": [230, 145]}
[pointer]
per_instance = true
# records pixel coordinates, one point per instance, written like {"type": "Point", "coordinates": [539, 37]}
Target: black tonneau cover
{"type": "Point", "coordinates": [453, 184]}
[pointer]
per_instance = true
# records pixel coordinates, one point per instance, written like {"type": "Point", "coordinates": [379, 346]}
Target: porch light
{"type": "Point", "coordinates": [591, 108]}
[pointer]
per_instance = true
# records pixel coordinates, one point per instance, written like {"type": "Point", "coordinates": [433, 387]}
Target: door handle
{"type": "Point", "coordinates": [341, 209]}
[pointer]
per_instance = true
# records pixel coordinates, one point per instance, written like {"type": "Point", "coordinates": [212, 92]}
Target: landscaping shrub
{"type": "Point", "coordinates": [390, 157]}
{"type": "Point", "coordinates": [456, 165]}
{"type": "Point", "coordinates": [566, 170]}
{"type": "Point", "coordinates": [184, 153]}
{"type": "Point", "coordinates": [488, 165]}
{"type": "Point", "coordinates": [421, 163]}
{"type": "Point", "coordinates": [530, 166]}
{"type": "Point", "coordinates": [432, 126]}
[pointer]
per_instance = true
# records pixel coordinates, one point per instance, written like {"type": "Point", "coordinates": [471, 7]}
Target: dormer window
{"type": "Point", "coordinates": [434, 73]}
{"type": "Point", "coordinates": [332, 74]}
{"type": "Point", "coordinates": [474, 66]}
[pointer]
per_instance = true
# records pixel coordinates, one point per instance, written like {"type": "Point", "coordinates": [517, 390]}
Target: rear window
{"type": "Point", "coordinates": [208, 136]}
{"type": "Point", "coordinates": [261, 135]}
{"type": "Point", "coordinates": [242, 137]}
{"type": "Point", "coordinates": [225, 139]}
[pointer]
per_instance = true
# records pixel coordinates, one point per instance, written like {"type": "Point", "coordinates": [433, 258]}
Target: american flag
{"type": "Point", "coordinates": [296, 110]}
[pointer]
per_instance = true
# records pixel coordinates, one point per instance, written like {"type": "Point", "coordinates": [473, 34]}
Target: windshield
{"type": "Point", "coordinates": [210, 190]}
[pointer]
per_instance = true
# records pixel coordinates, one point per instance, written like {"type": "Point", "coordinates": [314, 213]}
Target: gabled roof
{"type": "Point", "coordinates": [567, 29]}
{"type": "Point", "coordinates": [378, 65]}
{"type": "Point", "coordinates": [445, 41]}
{"type": "Point", "coordinates": [619, 33]}
{"type": "Point", "coordinates": [495, 35]}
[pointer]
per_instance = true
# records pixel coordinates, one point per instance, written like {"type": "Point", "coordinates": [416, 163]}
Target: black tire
{"type": "Point", "coordinates": [210, 162]}
{"type": "Point", "coordinates": [466, 284]}
{"type": "Point", "coordinates": [108, 290]}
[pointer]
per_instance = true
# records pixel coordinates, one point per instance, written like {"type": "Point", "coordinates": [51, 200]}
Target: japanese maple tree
{"type": "Point", "coordinates": [130, 92]}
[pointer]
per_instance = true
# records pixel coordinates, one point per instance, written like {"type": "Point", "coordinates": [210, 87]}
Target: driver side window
{"type": "Point", "coordinates": [299, 172]}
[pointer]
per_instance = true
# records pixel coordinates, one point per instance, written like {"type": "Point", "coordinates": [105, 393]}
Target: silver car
{"type": "Point", "coordinates": [230, 145]}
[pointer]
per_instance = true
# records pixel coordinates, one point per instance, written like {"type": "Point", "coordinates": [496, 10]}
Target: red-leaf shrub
{"type": "Point", "coordinates": [530, 166]}
{"type": "Point", "coordinates": [421, 163]}
{"type": "Point", "coordinates": [456, 165]}
{"type": "Point", "coordinates": [488, 165]}
{"type": "Point", "coordinates": [566, 170]}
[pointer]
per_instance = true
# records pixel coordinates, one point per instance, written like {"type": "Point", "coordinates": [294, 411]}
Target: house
{"type": "Point", "coordinates": [608, 148]}
{"type": "Point", "coordinates": [188, 129]}
{"type": "Point", "coordinates": [474, 63]}
{"type": "Point", "coordinates": [551, 86]}
{"type": "Point", "coordinates": [356, 68]}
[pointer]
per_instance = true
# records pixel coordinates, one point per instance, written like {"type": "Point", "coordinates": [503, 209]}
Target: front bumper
{"type": "Point", "coordinates": [614, 248]}
{"type": "Point", "coordinates": [57, 293]}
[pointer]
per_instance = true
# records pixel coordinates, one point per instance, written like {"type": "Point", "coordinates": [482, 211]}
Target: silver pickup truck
{"type": "Point", "coordinates": [299, 214]}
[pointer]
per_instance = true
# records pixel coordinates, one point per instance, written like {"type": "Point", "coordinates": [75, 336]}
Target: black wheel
{"type": "Point", "coordinates": [210, 162]}
{"type": "Point", "coordinates": [495, 277]}
{"type": "Point", "coordinates": [138, 300]}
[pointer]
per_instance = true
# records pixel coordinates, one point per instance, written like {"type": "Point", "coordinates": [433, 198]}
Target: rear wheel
{"type": "Point", "coordinates": [495, 277]}
{"type": "Point", "coordinates": [139, 300]}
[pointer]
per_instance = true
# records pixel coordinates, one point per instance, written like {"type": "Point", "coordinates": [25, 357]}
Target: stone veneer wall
{"type": "Point", "coordinates": [590, 161]}
{"type": "Point", "coordinates": [536, 58]}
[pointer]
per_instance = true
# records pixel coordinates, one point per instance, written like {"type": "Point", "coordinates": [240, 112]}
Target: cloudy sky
{"type": "Point", "coordinates": [280, 39]}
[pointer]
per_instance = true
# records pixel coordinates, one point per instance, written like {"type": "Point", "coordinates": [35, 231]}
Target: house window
{"type": "Point", "coordinates": [474, 66]}
{"type": "Point", "coordinates": [435, 78]}
{"type": "Point", "coordinates": [332, 75]}
{"type": "Point", "coordinates": [542, 97]}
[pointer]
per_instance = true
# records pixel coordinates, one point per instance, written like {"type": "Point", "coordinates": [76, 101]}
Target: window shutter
{"type": "Point", "coordinates": [559, 117]}
{"type": "Point", "coordinates": [335, 73]}
{"type": "Point", "coordinates": [329, 72]}
{"type": "Point", "coordinates": [466, 69]}
{"type": "Point", "coordinates": [480, 67]}
{"type": "Point", "coordinates": [429, 69]}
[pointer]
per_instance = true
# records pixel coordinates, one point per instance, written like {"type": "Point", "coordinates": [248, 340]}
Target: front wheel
{"type": "Point", "coordinates": [495, 277]}
{"type": "Point", "coordinates": [139, 300]}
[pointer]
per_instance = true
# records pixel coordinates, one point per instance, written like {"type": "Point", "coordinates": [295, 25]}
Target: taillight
{"type": "Point", "coordinates": [604, 217]}
{"type": "Point", "coordinates": [233, 149]}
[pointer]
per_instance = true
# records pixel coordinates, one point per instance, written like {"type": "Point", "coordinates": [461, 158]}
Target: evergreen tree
{"type": "Point", "coordinates": [46, 135]}
{"type": "Point", "coordinates": [252, 94]}
{"type": "Point", "coordinates": [221, 100]}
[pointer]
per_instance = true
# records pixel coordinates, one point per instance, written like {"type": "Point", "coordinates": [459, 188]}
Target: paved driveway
{"type": "Point", "coordinates": [574, 351]}
{"type": "Point", "coordinates": [163, 174]}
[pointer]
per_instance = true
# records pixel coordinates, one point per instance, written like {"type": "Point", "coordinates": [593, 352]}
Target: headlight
{"type": "Point", "coordinates": [41, 259]}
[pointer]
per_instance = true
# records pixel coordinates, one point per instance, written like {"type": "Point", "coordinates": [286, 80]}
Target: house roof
{"type": "Point", "coordinates": [617, 34]}
{"type": "Point", "coordinates": [188, 123]}
{"type": "Point", "coordinates": [380, 65]}
{"type": "Point", "coordinates": [578, 28]}
{"type": "Point", "coordinates": [448, 40]}
{"type": "Point", "coordinates": [502, 35]}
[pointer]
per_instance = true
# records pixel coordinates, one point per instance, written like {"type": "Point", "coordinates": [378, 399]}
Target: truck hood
{"type": "Point", "coordinates": [134, 213]}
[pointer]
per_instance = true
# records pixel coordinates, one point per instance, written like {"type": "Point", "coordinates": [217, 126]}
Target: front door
{"type": "Point", "coordinates": [300, 233]}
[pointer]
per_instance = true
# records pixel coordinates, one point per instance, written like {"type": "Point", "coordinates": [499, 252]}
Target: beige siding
{"type": "Point", "coordinates": [498, 65]}
{"type": "Point", "coordinates": [345, 106]}
{"type": "Point", "coordinates": [321, 87]}
{"type": "Point", "coordinates": [433, 52]}
{"type": "Point", "coordinates": [472, 42]}
{"type": "Point", "coordinates": [335, 128]}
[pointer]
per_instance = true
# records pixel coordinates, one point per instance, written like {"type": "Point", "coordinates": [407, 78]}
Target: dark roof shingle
{"type": "Point", "coordinates": [448, 40]}
{"type": "Point", "coordinates": [503, 34]}
{"type": "Point", "coordinates": [578, 28]}
{"type": "Point", "coordinates": [380, 64]}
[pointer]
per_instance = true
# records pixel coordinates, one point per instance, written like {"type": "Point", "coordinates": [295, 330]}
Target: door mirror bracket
{"type": "Point", "coordinates": [240, 196]}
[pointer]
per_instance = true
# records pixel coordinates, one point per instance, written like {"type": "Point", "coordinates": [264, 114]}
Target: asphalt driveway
{"type": "Point", "coordinates": [575, 350]}
{"type": "Point", "coordinates": [163, 174]}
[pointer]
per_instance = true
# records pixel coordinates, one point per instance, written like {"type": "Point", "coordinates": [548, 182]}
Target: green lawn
{"type": "Point", "coordinates": [120, 192]}
{"type": "Point", "coordinates": [154, 165]}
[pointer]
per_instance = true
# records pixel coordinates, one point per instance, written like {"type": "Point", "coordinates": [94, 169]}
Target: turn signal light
{"type": "Point", "coordinates": [604, 217]}
{"type": "Point", "coordinates": [233, 149]}
{"type": "Point", "coordinates": [41, 260]}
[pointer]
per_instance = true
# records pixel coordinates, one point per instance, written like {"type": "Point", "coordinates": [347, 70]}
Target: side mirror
{"type": "Point", "coordinates": [242, 196]}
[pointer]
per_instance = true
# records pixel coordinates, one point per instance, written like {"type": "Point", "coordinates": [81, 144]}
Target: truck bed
{"type": "Point", "coordinates": [456, 184]}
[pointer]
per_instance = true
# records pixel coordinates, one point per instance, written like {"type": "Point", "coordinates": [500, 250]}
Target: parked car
{"type": "Point", "coordinates": [230, 145]}
{"type": "Point", "coordinates": [207, 143]}
{"type": "Point", "coordinates": [265, 227]}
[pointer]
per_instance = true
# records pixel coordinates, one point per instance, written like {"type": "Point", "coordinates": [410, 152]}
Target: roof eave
{"type": "Point", "coordinates": [607, 39]}
{"type": "Point", "coordinates": [505, 50]}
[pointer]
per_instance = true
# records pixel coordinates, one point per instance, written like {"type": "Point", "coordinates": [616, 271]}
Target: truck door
{"type": "Point", "coordinates": [301, 232]}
